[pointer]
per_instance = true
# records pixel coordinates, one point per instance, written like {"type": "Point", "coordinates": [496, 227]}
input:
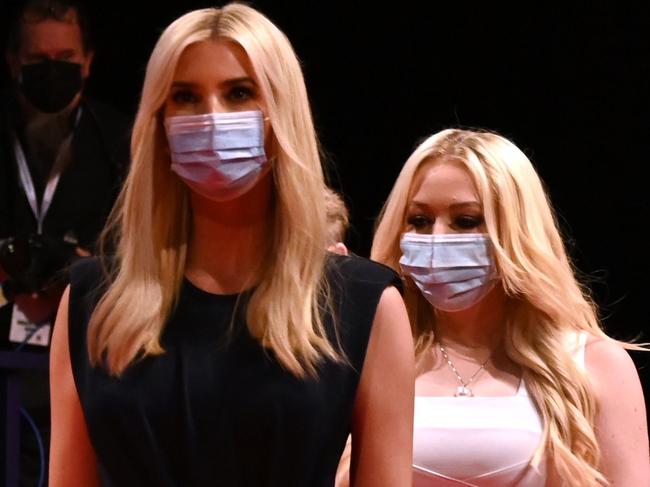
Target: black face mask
{"type": "Point", "coordinates": [50, 85]}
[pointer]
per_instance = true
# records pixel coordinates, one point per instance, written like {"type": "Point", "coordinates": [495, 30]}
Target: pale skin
{"type": "Point", "coordinates": [445, 200]}
{"type": "Point", "coordinates": [72, 458]}
{"type": "Point", "coordinates": [384, 403]}
{"type": "Point", "coordinates": [338, 248]}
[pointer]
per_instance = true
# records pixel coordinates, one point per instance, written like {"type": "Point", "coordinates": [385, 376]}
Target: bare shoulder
{"type": "Point", "coordinates": [390, 302]}
{"type": "Point", "coordinates": [383, 406]}
{"type": "Point", "coordinates": [605, 359]}
{"type": "Point", "coordinates": [59, 353]}
{"type": "Point", "coordinates": [390, 341]}
{"type": "Point", "coordinates": [391, 331]}
{"type": "Point", "coordinates": [620, 423]}
{"type": "Point", "coordinates": [613, 376]}
{"type": "Point", "coordinates": [72, 457]}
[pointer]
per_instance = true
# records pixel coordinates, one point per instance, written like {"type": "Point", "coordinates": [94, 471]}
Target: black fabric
{"type": "Point", "coordinates": [216, 409]}
{"type": "Point", "coordinates": [87, 188]}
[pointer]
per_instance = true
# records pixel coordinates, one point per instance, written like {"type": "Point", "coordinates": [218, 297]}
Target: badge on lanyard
{"type": "Point", "coordinates": [24, 331]}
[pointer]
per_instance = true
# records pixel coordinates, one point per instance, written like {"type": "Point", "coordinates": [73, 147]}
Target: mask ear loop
{"type": "Point", "coordinates": [160, 118]}
{"type": "Point", "coordinates": [271, 159]}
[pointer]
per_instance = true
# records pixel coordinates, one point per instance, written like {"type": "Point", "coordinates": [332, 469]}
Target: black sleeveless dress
{"type": "Point", "coordinates": [216, 409]}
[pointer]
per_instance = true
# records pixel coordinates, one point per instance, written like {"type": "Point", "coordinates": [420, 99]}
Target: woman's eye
{"type": "Point", "coordinates": [182, 97]}
{"type": "Point", "coordinates": [418, 221]}
{"type": "Point", "coordinates": [240, 94]}
{"type": "Point", "coordinates": [467, 222]}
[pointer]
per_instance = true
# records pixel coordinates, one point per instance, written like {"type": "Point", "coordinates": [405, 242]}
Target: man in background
{"type": "Point", "coordinates": [62, 161]}
{"type": "Point", "coordinates": [62, 157]}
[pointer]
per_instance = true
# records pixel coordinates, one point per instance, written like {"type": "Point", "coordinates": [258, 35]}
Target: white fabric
{"type": "Point", "coordinates": [480, 441]}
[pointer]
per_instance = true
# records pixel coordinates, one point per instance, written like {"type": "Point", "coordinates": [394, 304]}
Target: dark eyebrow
{"type": "Point", "coordinates": [183, 84]}
{"type": "Point", "coordinates": [227, 83]}
{"type": "Point", "coordinates": [453, 206]}
{"type": "Point", "coordinates": [238, 81]}
{"type": "Point", "coordinates": [464, 204]}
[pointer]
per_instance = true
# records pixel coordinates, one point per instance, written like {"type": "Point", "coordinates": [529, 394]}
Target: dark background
{"type": "Point", "coordinates": [567, 84]}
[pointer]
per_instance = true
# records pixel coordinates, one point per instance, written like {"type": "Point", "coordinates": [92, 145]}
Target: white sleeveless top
{"type": "Point", "coordinates": [480, 441]}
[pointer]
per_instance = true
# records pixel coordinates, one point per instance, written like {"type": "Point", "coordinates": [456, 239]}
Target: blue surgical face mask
{"type": "Point", "coordinates": [453, 271]}
{"type": "Point", "coordinates": [219, 155]}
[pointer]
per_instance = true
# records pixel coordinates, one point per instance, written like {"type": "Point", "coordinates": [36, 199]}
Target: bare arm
{"type": "Point", "coordinates": [343, 471]}
{"type": "Point", "coordinates": [621, 427]}
{"type": "Point", "coordinates": [72, 458]}
{"type": "Point", "coordinates": [382, 423]}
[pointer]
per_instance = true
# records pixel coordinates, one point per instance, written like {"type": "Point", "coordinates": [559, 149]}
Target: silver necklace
{"type": "Point", "coordinates": [463, 389]}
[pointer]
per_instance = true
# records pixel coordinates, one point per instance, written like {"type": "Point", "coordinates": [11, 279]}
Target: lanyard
{"type": "Point", "coordinates": [53, 179]}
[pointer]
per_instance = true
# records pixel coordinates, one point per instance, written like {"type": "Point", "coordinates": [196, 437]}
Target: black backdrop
{"type": "Point", "coordinates": [568, 84]}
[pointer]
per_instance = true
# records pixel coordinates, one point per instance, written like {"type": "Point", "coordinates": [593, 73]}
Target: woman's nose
{"type": "Point", "coordinates": [440, 227]}
{"type": "Point", "coordinates": [213, 104]}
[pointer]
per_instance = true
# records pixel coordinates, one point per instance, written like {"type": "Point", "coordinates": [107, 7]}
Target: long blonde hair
{"type": "Point", "coordinates": [545, 301]}
{"type": "Point", "coordinates": [152, 217]}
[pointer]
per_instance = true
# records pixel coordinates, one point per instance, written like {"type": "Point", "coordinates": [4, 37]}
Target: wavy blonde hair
{"type": "Point", "coordinates": [151, 221]}
{"type": "Point", "coordinates": [545, 300]}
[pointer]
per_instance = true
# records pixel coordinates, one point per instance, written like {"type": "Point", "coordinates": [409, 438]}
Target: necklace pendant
{"type": "Point", "coordinates": [463, 391]}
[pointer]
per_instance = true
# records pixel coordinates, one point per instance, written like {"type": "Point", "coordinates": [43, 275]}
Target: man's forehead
{"type": "Point", "coordinates": [66, 14]}
{"type": "Point", "coordinates": [51, 36]}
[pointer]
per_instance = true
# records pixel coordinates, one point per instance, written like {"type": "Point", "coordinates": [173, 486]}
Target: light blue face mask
{"type": "Point", "coordinates": [453, 271]}
{"type": "Point", "coordinates": [218, 155]}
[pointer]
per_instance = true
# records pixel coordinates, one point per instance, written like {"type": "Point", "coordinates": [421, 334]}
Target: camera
{"type": "Point", "coordinates": [34, 263]}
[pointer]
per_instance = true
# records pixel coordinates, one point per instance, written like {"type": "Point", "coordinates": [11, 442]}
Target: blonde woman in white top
{"type": "Point", "coordinates": [518, 384]}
